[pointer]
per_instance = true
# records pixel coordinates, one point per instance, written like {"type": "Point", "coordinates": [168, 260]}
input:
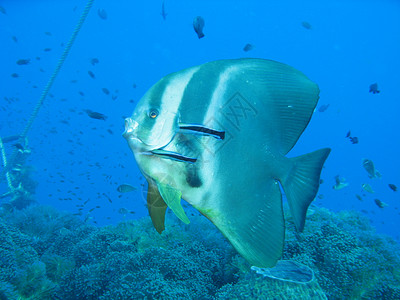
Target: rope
{"type": "Point", "coordinates": [3, 155]}
{"type": "Point", "coordinates": [55, 73]}
{"type": "Point", "coordinates": [57, 69]}
{"type": "Point", "coordinates": [53, 76]}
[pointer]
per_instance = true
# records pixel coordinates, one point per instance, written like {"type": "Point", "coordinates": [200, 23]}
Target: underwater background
{"type": "Point", "coordinates": [69, 232]}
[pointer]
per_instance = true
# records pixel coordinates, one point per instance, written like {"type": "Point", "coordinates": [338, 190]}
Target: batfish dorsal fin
{"type": "Point", "coordinates": [172, 197]}
{"type": "Point", "coordinates": [156, 206]}
{"type": "Point", "coordinates": [288, 96]}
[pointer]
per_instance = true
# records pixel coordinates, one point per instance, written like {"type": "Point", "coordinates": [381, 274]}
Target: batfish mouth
{"type": "Point", "coordinates": [139, 147]}
{"type": "Point", "coordinates": [134, 142]}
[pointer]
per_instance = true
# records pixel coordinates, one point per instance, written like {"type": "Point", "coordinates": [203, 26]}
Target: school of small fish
{"type": "Point", "coordinates": [111, 93]}
{"type": "Point", "coordinates": [373, 173]}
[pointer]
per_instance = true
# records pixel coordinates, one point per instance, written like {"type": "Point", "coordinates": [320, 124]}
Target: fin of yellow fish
{"type": "Point", "coordinates": [156, 206]}
{"type": "Point", "coordinates": [172, 197]}
{"type": "Point", "coordinates": [302, 183]}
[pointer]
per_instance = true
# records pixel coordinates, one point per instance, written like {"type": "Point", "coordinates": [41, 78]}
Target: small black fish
{"type": "Point", "coordinates": [14, 75]}
{"type": "Point", "coordinates": [91, 74]}
{"type": "Point", "coordinates": [96, 115]}
{"type": "Point", "coordinates": [306, 25]}
{"type": "Point", "coordinates": [23, 61]}
{"type": "Point", "coordinates": [19, 146]}
{"type": "Point", "coordinates": [163, 13]}
{"type": "Point", "coordinates": [354, 140]}
{"type": "Point", "coordinates": [198, 25]}
{"type": "Point", "coordinates": [248, 47]}
{"type": "Point", "coordinates": [102, 14]}
{"type": "Point", "coordinates": [392, 187]}
{"type": "Point", "coordinates": [105, 91]}
{"type": "Point", "coordinates": [94, 61]}
{"type": "Point", "coordinates": [47, 49]}
{"type": "Point", "coordinates": [14, 38]}
{"type": "Point", "coordinates": [373, 88]}
{"type": "Point", "coordinates": [323, 107]}
{"type": "Point", "coordinates": [3, 10]}
{"type": "Point", "coordinates": [379, 203]}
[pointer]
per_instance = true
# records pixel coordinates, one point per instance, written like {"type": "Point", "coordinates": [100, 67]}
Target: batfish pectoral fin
{"type": "Point", "coordinates": [156, 206]}
{"type": "Point", "coordinates": [172, 197]}
{"type": "Point", "coordinates": [302, 182]}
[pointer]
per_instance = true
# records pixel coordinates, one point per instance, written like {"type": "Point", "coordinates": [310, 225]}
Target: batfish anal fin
{"type": "Point", "coordinates": [156, 206]}
{"type": "Point", "coordinates": [253, 225]}
{"type": "Point", "coordinates": [172, 197]}
{"type": "Point", "coordinates": [302, 183]}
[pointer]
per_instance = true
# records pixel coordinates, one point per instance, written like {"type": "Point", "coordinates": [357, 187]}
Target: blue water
{"type": "Point", "coordinates": [350, 45]}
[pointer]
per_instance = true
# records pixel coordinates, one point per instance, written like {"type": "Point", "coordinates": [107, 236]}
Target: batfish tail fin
{"type": "Point", "coordinates": [302, 183]}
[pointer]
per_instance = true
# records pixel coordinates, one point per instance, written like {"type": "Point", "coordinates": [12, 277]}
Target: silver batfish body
{"type": "Point", "coordinates": [216, 136]}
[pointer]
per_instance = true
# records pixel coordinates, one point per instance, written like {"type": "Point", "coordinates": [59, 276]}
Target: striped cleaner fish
{"type": "Point", "coordinates": [216, 135]}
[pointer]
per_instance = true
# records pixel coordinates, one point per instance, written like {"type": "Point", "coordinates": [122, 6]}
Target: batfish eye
{"type": "Point", "coordinates": [153, 113]}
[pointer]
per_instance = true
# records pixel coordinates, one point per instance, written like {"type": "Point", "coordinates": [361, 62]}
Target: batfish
{"type": "Point", "coordinates": [216, 136]}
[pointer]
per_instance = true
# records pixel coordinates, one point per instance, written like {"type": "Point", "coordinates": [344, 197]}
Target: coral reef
{"type": "Point", "coordinates": [350, 260]}
{"type": "Point", "coordinates": [47, 254]}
